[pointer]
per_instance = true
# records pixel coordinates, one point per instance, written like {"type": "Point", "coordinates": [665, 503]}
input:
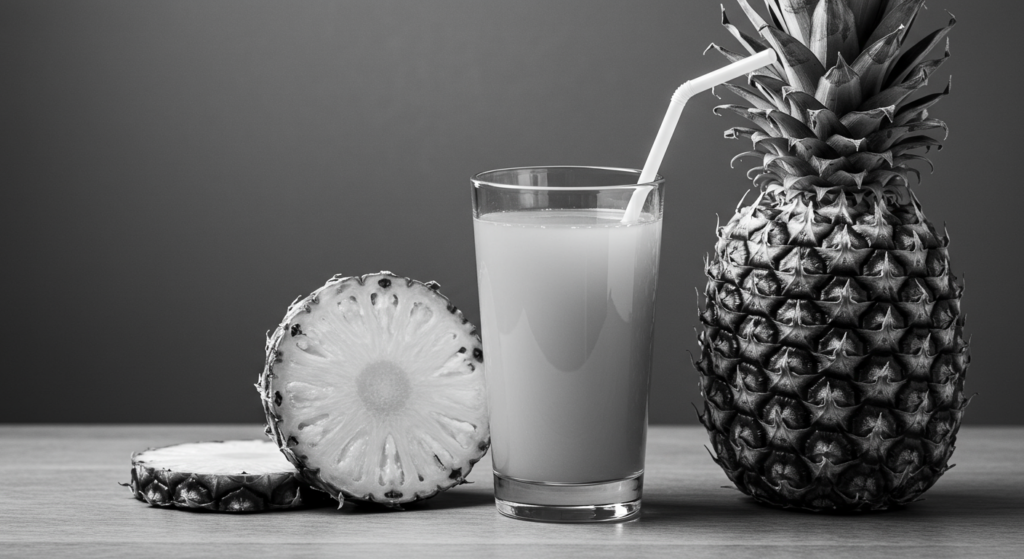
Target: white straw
{"type": "Point", "coordinates": [675, 109]}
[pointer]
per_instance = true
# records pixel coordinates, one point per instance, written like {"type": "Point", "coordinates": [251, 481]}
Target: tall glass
{"type": "Point", "coordinates": [567, 320]}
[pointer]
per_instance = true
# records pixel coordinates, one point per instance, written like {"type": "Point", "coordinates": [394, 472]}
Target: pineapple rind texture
{"type": "Point", "coordinates": [449, 468]}
{"type": "Point", "coordinates": [832, 358]}
{"type": "Point", "coordinates": [242, 493]}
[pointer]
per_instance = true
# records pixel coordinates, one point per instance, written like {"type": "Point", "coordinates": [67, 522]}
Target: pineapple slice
{"type": "Point", "coordinates": [374, 389]}
{"type": "Point", "coordinates": [225, 476]}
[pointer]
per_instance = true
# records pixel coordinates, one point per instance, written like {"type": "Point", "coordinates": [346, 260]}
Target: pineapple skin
{"type": "Point", "coordinates": [832, 358]}
{"type": "Point", "coordinates": [832, 375]}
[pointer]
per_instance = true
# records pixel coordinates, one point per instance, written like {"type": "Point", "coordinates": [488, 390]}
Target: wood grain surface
{"type": "Point", "coordinates": [59, 498]}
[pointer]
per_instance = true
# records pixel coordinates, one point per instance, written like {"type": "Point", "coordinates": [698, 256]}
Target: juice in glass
{"type": "Point", "coordinates": [567, 317]}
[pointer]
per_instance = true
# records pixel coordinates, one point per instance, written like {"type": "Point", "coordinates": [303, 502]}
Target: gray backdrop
{"type": "Point", "coordinates": [175, 173]}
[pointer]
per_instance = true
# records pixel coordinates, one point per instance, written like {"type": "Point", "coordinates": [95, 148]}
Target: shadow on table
{"type": "Point", "coordinates": [448, 500]}
{"type": "Point", "coordinates": [937, 505]}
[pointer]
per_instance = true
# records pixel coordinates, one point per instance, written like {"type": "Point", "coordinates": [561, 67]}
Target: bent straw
{"type": "Point", "coordinates": [675, 109]}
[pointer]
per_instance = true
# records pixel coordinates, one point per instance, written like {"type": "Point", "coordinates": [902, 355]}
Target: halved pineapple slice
{"type": "Point", "coordinates": [374, 389]}
{"type": "Point", "coordinates": [224, 476]}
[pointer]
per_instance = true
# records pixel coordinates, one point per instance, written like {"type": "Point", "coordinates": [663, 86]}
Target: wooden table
{"type": "Point", "coordinates": [59, 497]}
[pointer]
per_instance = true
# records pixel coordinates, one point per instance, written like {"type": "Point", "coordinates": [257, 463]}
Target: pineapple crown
{"type": "Point", "coordinates": [823, 125]}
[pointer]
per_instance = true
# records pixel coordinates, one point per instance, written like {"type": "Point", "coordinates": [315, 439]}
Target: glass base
{"type": "Point", "coordinates": [610, 501]}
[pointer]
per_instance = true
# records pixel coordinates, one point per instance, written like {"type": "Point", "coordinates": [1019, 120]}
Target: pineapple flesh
{"type": "Point", "coordinates": [374, 389]}
{"type": "Point", "coordinates": [832, 358]}
{"type": "Point", "coordinates": [220, 476]}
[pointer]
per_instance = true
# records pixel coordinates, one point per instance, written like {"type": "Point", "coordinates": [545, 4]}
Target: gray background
{"type": "Point", "coordinates": [175, 173]}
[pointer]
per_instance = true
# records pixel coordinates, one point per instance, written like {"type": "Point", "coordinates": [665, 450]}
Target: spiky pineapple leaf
{"type": "Point", "coordinates": [839, 90]}
{"type": "Point", "coordinates": [730, 55]}
{"type": "Point", "coordinates": [887, 6]}
{"type": "Point", "coordinates": [899, 13]}
{"type": "Point", "coordinates": [775, 11]}
{"type": "Point", "coordinates": [862, 123]}
{"type": "Point", "coordinates": [908, 157]}
{"type": "Point", "coordinates": [767, 144]}
{"type": "Point", "coordinates": [873, 64]}
{"type": "Point", "coordinates": [756, 116]}
{"type": "Point", "coordinates": [908, 143]}
{"type": "Point", "coordinates": [772, 88]}
{"type": "Point", "coordinates": [760, 138]}
{"type": "Point", "coordinates": [869, 161]}
{"type": "Point", "coordinates": [755, 18]}
{"type": "Point", "coordinates": [885, 177]}
{"type": "Point", "coordinates": [738, 156]}
{"type": "Point", "coordinates": [766, 159]}
{"type": "Point", "coordinates": [754, 98]}
{"type": "Point", "coordinates": [737, 132]}
{"type": "Point", "coordinates": [908, 171]}
{"type": "Point", "coordinates": [844, 145]}
{"type": "Point", "coordinates": [802, 67]}
{"type": "Point", "coordinates": [895, 94]}
{"type": "Point", "coordinates": [884, 139]}
{"type": "Point", "coordinates": [928, 67]}
{"type": "Point", "coordinates": [799, 17]}
{"type": "Point", "coordinates": [867, 14]}
{"type": "Point", "coordinates": [791, 166]}
{"type": "Point", "coordinates": [916, 110]}
{"type": "Point", "coordinates": [753, 45]}
{"type": "Point", "coordinates": [826, 167]}
{"type": "Point", "coordinates": [789, 126]}
{"type": "Point", "coordinates": [765, 180]}
{"type": "Point", "coordinates": [834, 32]}
{"type": "Point", "coordinates": [825, 123]}
{"type": "Point", "coordinates": [915, 54]}
{"type": "Point", "coordinates": [812, 147]}
{"type": "Point", "coordinates": [805, 183]}
{"type": "Point", "coordinates": [844, 178]}
{"type": "Point", "coordinates": [800, 103]}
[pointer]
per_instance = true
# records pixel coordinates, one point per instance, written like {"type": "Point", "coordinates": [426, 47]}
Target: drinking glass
{"type": "Point", "coordinates": [567, 321]}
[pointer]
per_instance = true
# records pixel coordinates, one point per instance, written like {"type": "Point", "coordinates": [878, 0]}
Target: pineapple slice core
{"type": "Point", "coordinates": [383, 387]}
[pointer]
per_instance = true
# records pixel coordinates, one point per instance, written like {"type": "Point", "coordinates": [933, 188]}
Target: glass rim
{"type": "Point", "coordinates": [477, 181]}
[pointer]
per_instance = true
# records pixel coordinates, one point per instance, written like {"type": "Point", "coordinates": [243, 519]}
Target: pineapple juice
{"type": "Point", "coordinates": [567, 315]}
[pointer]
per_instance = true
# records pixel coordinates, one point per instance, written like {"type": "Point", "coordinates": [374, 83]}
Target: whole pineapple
{"type": "Point", "coordinates": [832, 358]}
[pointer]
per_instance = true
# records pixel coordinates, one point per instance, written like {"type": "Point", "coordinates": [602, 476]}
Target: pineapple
{"type": "Point", "coordinates": [374, 389]}
{"type": "Point", "coordinates": [221, 476]}
{"type": "Point", "coordinates": [832, 358]}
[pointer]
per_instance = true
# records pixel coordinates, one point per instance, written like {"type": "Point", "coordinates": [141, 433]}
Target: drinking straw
{"type": "Point", "coordinates": [675, 108]}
